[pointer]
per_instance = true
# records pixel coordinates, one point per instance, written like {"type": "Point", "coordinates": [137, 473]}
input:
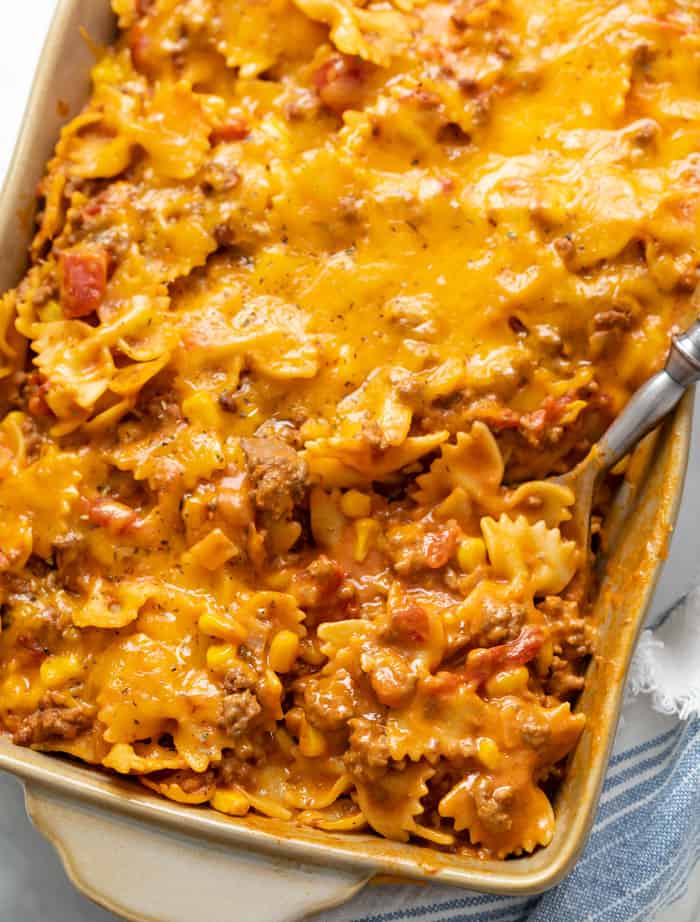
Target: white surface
{"type": "Point", "coordinates": [33, 887]}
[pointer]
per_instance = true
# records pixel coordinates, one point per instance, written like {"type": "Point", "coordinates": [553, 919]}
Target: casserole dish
{"type": "Point", "coordinates": [280, 869]}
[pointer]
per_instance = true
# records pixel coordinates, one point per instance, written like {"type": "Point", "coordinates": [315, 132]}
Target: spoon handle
{"type": "Point", "coordinates": [654, 399]}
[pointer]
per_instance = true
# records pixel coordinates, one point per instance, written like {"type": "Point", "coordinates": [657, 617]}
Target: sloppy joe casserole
{"type": "Point", "coordinates": [320, 293]}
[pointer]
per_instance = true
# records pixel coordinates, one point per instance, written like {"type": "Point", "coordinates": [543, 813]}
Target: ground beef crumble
{"type": "Point", "coordinates": [367, 758]}
{"type": "Point", "coordinates": [278, 474]}
{"type": "Point", "coordinates": [240, 706]}
{"type": "Point", "coordinates": [329, 701]}
{"type": "Point", "coordinates": [493, 804]}
{"type": "Point", "coordinates": [57, 717]}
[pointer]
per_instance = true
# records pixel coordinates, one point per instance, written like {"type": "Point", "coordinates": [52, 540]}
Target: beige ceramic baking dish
{"type": "Point", "coordinates": [149, 859]}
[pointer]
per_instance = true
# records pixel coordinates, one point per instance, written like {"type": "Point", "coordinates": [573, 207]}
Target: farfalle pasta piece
{"type": "Point", "coordinates": [54, 186]}
{"type": "Point", "coordinates": [77, 366]}
{"type": "Point", "coordinates": [16, 542]}
{"type": "Point", "coordinates": [13, 444]}
{"type": "Point", "coordinates": [78, 360]}
{"type": "Point", "coordinates": [404, 643]}
{"type": "Point", "coordinates": [101, 156]}
{"type": "Point", "coordinates": [316, 787]}
{"type": "Point", "coordinates": [507, 820]}
{"type": "Point", "coordinates": [447, 717]}
{"type": "Point", "coordinates": [184, 787]}
{"type": "Point", "coordinates": [147, 689]}
{"type": "Point", "coordinates": [270, 624]}
{"type": "Point", "coordinates": [470, 618]}
{"type": "Point", "coordinates": [138, 329]}
{"type": "Point", "coordinates": [374, 32]}
{"type": "Point", "coordinates": [188, 452]}
{"type": "Point", "coordinates": [540, 501]}
{"type": "Point", "coordinates": [378, 410]}
{"type": "Point", "coordinates": [438, 725]}
{"type": "Point", "coordinates": [392, 804]}
{"type": "Point", "coordinates": [142, 758]}
{"type": "Point", "coordinates": [41, 498]}
{"type": "Point", "coordinates": [337, 462]}
{"type": "Point", "coordinates": [174, 155]}
{"type": "Point", "coordinates": [518, 549]}
{"type": "Point", "coordinates": [129, 381]}
{"type": "Point", "coordinates": [88, 747]}
{"type": "Point", "coordinates": [112, 607]}
{"type": "Point", "coordinates": [12, 348]}
{"type": "Point", "coordinates": [268, 332]}
{"type": "Point", "coordinates": [265, 787]}
{"type": "Point", "coordinates": [343, 640]}
{"type": "Point", "coordinates": [279, 610]}
{"type": "Point", "coordinates": [560, 729]}
{"type": "Point", "coordinates": [414, 624]}
{"type": "Point", "coordinates": [342, 816]}
{"type": "Point", "coordinates": [249, 38]}
{"type": "Point", "coordinates": [474, 465]}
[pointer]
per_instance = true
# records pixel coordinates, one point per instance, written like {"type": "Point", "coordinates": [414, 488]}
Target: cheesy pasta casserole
{"type": "Point", "coordinates": [321, 292]}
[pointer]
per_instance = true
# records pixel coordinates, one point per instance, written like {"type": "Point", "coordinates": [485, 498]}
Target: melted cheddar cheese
{"type": "Point", "coordinates": [320, 293]}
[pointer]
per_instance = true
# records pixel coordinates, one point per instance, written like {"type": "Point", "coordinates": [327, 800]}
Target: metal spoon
{"type": "Point", "coordinates": [645, 410]}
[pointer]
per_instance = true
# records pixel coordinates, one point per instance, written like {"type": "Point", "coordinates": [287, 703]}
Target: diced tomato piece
{"type": "Point", "coordinates": [501, 418]}
{"type": "Point", "coordinates": [116, 517]}
{"type": "Point", "coordinates": [549, 414]}
{"type": "Point", "coordinates": [35, 650]}
{"type": "Point", "coordinates": [93, 208]}
{"type": "Point", "coordinates": [233, 500]}
{"type": "Point", "coordinates": [37, 388]}
{"type": "Point", "coordinates": [236, 128]}
{"type": "Point", "coordinates": [410, 623]}
{"type": "Point", "coordinates": [443, 683]}
{"type": "Point", "coordinates": [440, 545]}
{"type": "Point", "coordinates": [483, 663]}
{"type": "Point", "coordinates": [140, 46]}
{"type": "Point", "coordinates": [83, 280]}
{"type": "Point", "coordinates": [340, 82]}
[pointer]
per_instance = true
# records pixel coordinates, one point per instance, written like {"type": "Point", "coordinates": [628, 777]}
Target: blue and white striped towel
{"type": "Point", "coordinates": [640, 863]}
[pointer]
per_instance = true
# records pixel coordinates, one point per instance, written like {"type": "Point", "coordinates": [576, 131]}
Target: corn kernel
{"type": "Point", "coordinates": [216, 624]}
{"type": "Point", "coordinates": [471, 553]}
{"type": "Point", "coordinates": [270, 694]}
{"type": "Point", "coordinates": [200, 408]}
{"type": "Point", "coordinates": [284, 741]}
{"type": "Point", "coordinates": [281, 536]}
{"type": "Point", "coordinates": [508, 682]}
{"type": "Point", "coordinates": [488, 752]}
{"type": "Point", "coordinates": [278, 580]}
{"type": "Point", "coordinates": [101, 547]}
{"type": "Point", "coordinates": [284, 650]}
{"type": "Point", "coordinates": [457, 505]}
{"type": "Point", "coordinates": [366, 533]}
{"type": "Point", "coordinates": [14, 690]}
{"type": "Point", "coordinates": [544, 658]}
{"type": "Point", "coordinates": [212, 551]}
{"type": "Point", "coordinates": [235, 803]}
{"type": "Point", "coordinates": [312, 743]}
{"type": "Point", "coordinates": [221, 656]}
{"type": "Point", "coordinates": [51, 311]}
{"type": "Point", "coordinates": [356, 505]}
{"type": "Point", "coordinates": [55, 671]}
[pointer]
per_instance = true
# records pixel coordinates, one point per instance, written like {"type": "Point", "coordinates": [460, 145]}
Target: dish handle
{"type": "Point", "coordinates": [147, 874]}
